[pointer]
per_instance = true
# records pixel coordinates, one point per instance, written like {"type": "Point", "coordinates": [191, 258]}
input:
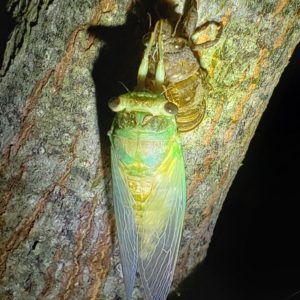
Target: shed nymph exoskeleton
{"type": "Point", "coordinates": [184, 82]}
{"type": "Point", "coordinates": [149, 190]}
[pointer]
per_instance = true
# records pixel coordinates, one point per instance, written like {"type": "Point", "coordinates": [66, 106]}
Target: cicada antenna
{"type": "Point", "coordinates": [124, 86]}
{"type": "Point", "coordinates": [150, 19]}
{"type": "Point", "coordinates": [293, 295]}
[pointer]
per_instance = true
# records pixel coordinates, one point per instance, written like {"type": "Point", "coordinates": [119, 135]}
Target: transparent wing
{"type": "Point", "coordinates": [126, 228]}
{"type": "Point", "coordinates": [160, 230]}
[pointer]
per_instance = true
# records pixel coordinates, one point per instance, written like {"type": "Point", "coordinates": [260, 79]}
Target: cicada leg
{"type": "Point", "coordinates": [160, 69]}
{"type": "Point", "coordinates": [144, 66]}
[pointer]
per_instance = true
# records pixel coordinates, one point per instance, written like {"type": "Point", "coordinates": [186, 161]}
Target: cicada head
{"type": "Point", "coordinates": [143, 128]}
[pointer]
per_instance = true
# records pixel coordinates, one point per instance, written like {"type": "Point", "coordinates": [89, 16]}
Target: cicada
{"type": "Point", "coordinates": [148, 177]}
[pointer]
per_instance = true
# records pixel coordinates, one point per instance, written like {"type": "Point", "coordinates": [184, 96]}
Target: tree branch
{"type": "Point", "coordinates": [57, 226]}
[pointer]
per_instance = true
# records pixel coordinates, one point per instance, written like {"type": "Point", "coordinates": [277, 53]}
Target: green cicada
{"type": "Point", "coordinates": [149, 190]}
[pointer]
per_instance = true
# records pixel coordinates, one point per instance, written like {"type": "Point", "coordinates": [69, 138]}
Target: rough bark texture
{"type": "Point", "coordinates": [57, 229]}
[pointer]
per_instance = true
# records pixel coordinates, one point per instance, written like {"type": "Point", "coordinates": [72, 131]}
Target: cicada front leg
{"type": "Point", "coordinates": [144, 66]}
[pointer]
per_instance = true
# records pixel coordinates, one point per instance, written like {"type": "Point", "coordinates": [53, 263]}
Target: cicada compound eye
{"type": "Point", "coordinates": [171, 108]}
{"type": "Point", "coordinates": [113, 103]}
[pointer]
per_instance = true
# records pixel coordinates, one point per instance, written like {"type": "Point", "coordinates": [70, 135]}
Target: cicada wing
{"type": "Point", "coordinates": [160, 231]}
{"type": "Point", "coordinates": [126, 227]}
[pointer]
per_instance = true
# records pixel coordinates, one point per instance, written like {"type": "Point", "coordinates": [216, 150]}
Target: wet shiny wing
{"type": "Point", "coordinates": [160, 231]}
{"type": "Point", "coordinates": [126, 228]}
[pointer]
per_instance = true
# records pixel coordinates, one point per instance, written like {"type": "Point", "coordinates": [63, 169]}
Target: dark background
{"type": "Point", "coordinates": [254, 253]}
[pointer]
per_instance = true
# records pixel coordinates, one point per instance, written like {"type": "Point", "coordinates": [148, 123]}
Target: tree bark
{"type": "Point", "coordinates": [61, 63]}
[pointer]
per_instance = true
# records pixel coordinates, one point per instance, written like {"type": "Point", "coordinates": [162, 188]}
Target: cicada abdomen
{"type": "Point", "coordinates": [148, 176]}
{"type": "Point", "coordinates": [183, 82]}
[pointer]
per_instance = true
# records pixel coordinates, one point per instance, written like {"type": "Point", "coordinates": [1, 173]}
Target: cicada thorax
{"type": "Point", "coordinates": [183, 83]}
{"type": "Point", "coordinates": [142, 187]}
{"type": "Point", "coordinates": [143, 162]}
{"type": "Point", "coordinates": [145, 141]}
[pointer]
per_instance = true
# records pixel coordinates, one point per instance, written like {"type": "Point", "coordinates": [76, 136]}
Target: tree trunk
{"type": "Point", "coordinates": [61, 63]}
